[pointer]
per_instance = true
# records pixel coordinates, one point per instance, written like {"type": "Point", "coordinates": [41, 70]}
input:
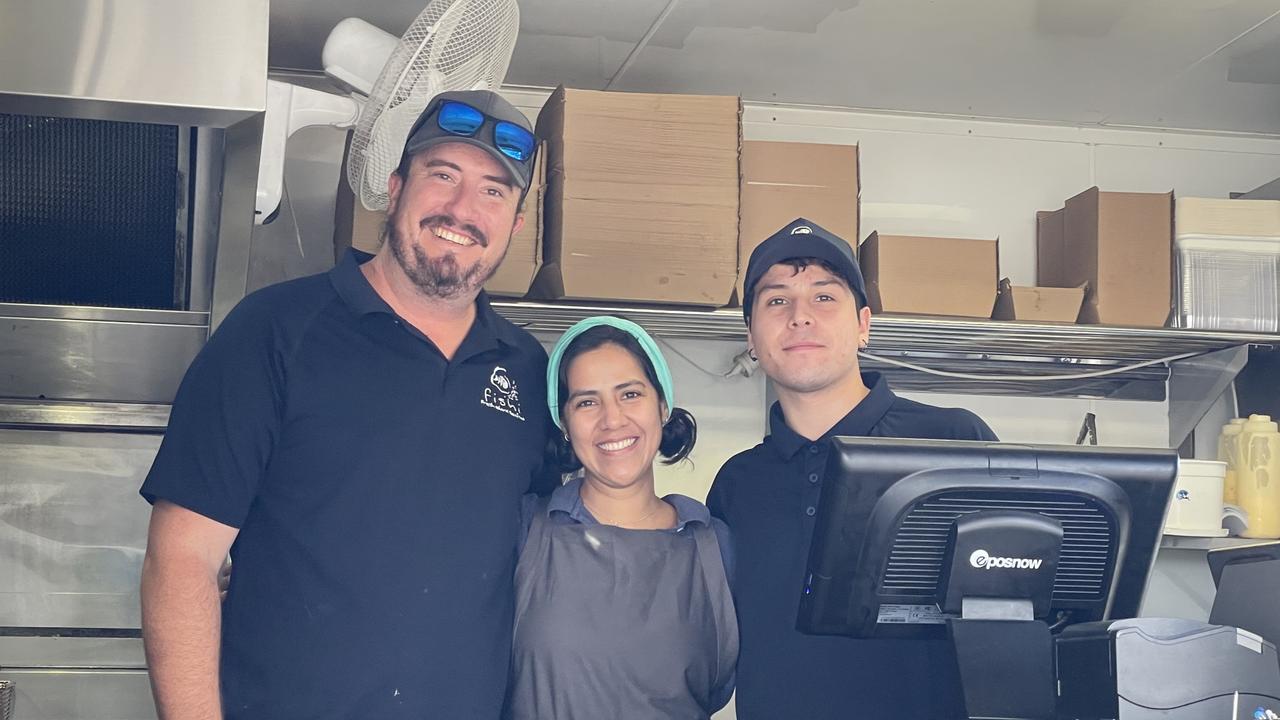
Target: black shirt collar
{"type": "Point", "coordinates": [858, 423]}
{"type": "Point", "coordinates": [354, 289]}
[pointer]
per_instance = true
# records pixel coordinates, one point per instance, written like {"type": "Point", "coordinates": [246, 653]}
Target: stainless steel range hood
{"type": "Point", "coordinates": [200, 66]}
{"type": "Point", "coordinates": [157, 61]}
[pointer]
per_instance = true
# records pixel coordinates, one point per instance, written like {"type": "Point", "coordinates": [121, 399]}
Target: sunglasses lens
{"type": "Point", "coordinates": [459, 119]}
{"type": "Point", "coordinates": [514, 141]}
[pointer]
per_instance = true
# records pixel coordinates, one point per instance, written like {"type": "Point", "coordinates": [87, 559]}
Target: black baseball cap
{"type": "Point", "coordinates": [426, 134]}
{"type": "Point", "coordinates": [802, 239]}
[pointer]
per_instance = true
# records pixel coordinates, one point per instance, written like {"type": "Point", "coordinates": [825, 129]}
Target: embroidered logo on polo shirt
{"type": "Point", "coordinates": [502, 394]}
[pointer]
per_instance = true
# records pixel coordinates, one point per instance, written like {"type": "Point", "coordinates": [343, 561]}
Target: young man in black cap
{"type": "Point", "coordinates": [360, 441]}
{"type": "Point", "coordinates": [805, 305]}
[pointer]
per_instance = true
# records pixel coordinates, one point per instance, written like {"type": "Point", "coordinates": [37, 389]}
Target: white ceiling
{"type": "Point", "coordinates": [1190, 64]}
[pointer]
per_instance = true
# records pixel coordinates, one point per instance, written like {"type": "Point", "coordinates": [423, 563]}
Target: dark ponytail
{"type": "Point", "coordinates": [560, 455]}
{"type": "Point", "coordinates": [678, 436]}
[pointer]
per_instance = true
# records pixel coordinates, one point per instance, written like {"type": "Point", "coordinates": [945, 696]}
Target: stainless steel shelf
{"type": "Point", "coordinates": [675, 323]}
{"type": "Point", "coordinates": [1184, 542]}
{"type": "Point", "coordinates": [982, 348]}
{"type": "Point", "coordinates": [890, 333]}
{"type": "Point", "coordinates": [978, 347]}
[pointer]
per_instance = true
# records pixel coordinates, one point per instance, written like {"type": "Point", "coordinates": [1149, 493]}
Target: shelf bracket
{"type": "Point", "coordinates": [1196, 383]}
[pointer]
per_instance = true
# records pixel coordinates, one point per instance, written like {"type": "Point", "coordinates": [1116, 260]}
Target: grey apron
{"type": "Point", "coordinates": [613, 624]}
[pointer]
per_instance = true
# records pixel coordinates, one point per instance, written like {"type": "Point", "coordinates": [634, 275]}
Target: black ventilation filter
{"type": "Point", "coordinates": [89, 213]}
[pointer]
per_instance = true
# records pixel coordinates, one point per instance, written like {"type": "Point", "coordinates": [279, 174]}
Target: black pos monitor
{"type": "Point", "coordinates": [987, 544]}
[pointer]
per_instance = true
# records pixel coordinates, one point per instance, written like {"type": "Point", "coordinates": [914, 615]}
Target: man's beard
{"type": "Point", "coordinates": [442, 278]}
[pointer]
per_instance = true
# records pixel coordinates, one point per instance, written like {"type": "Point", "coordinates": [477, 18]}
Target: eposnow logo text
{"type": "Point", "coordinates": [983, 560]}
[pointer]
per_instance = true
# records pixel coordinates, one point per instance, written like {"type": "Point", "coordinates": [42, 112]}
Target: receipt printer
{"type": "Point", "coordinates": [1148, 668]}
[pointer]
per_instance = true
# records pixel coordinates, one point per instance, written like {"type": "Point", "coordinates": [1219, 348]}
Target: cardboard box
{"type": "Point", "coordinates": [1121, 245]}
{"type": "Point", "coordinates": [782, 181]}
{"type": "Point", "coordinates": [642, 197]}
{"type": "Point", "coordinates": [355, 226]}
{"type": "Point", "coordinates": [1037, 304]}
{"type": "Point", "coordinates": [516, 273]}
{"type": "Point", "coordinates": [1211, 216]}
{"type": "Point", "coordinates": [1050, 247]}
{"type": "Point", "coordinates": [930, 276]}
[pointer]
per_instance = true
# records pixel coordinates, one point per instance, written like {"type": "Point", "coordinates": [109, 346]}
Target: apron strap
{"type": "Point", "coordinates": [713, 573]}
{"type": "Point", "coordinates": [538, 527]}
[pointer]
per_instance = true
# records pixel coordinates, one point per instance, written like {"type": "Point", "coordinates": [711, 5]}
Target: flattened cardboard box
{"type": "Point", "coordinates": [354, 226]}
{"type": "Point", "coordinates": [1050, 247]}
{"type": "Point", "coordinates": [782, 181]}
{"type": "Point", "coordinates": [930, 276]}
{"type": "Point", "coordinates": [642, 197]}
{"type": "Point", "coordinates": [1121, 245]}
{"type": "Point", "coordinates": [1037, 304]}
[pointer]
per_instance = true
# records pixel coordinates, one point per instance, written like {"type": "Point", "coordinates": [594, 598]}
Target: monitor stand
{"type": "Point", "coordinates": [1005, 661]}
{"type": "Point", "coordinates": [1004, 655]}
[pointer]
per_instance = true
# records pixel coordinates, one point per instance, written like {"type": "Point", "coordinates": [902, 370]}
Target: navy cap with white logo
{"type": "Point", "coordinates": [802, 239]}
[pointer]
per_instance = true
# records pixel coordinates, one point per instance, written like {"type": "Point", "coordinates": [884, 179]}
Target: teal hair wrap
{"type": "Point", "coordinates": [660, 367]}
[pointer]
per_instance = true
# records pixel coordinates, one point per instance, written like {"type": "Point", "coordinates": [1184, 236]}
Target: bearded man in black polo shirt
{"type": "Point", "coordinates": [805, 305]}
{"type": "Point", "coordinates": [360, 441]}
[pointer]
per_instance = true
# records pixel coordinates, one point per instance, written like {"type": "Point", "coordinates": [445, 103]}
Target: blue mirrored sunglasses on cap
{"type": "Point", "coordinates": [457, 118]}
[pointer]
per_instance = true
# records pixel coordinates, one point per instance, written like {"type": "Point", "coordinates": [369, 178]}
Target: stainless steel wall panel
{"type": "Point", "coordinates": [96, 354]}
{"type": "Point", "coordinates": [73, 528]}
{"type": "Point", "coordinates": [43, 694]}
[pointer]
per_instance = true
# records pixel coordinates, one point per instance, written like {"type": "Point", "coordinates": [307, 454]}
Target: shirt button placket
{"type": "Point", "coordinates": [812, 474]}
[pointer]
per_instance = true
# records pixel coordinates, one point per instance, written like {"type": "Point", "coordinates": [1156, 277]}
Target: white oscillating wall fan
{"type": "Point", "coordinates": [451, 45]}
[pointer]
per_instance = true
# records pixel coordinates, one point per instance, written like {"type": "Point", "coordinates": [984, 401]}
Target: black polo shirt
{"type": "Point", "coordinates": [376, 486]}
{"type": "Point", "coordinates": [768, 496]}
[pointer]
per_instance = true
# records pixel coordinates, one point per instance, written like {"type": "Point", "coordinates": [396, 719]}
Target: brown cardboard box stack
{"type": "Point", "coordinates": [655, 199]}
{"type": "Point", "coordinates": [638, 197]}
{"type": "Point", "coordinates": [360, 228]}
{"type": "Point", "coordinates": [930, 276]}
{"type": "Point", "coordinates": [642, 197]}
{"type": "Point", "coordinates": [1120, 247]}
{"type": "Point", "coordinates": [782, 181]}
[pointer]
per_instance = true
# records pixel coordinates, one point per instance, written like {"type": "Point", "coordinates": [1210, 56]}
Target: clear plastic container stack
{"type": "Point", "coordinates": [1228, 254]}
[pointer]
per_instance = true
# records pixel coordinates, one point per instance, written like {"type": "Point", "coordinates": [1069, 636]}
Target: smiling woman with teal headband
{"type": "Point", "coordinates": [623, 608]}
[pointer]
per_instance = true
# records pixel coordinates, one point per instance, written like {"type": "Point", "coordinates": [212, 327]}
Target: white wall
{"type": "Point", "coordinates": [920, 175]}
